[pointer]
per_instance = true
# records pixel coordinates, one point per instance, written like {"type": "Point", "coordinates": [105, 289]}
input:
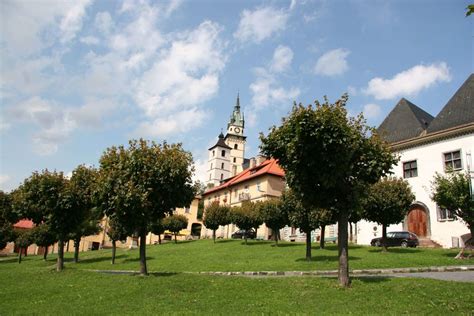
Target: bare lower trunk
{"type": "Point", "coordinates": [214, 235]}
{"type": "Point", "coordinates": [343, 246]}
{"type": "Point", "coordinates": [323, 234]}
{"type": "Point", "coordinates": [77, 242]}
{"type": "Point", "coordinates": [114, 249]}
{"type": "Point", "coordinates": [175, 240]}
{"type": "Point", "coordinates": [308, 246]}
{"type": "Point", "coordinates": [245, 236]}
{"type": "Point", "coordinates": [275, 236]}
{"type": "Point", "coordinates": [143, 269]}
{"type": "Point", "coordinates": [45, 254]}
{"type": "Point", "coordinates": [20, 253]}
{"type": "Point", "coordinates": [350, 232]}
{"type": "Point", "coordinates": [159, 239]}
{"type": "Point", "coordinates": [60, 263]}
{"type": "Point", "coordinates": [26, 251]}
{"type": "Point", "coordinates": [384, 238]}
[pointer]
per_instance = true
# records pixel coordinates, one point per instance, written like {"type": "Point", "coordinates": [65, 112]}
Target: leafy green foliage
{"type": "Point", "coordinates": [216, 215]}
{"type": "Point", "coordinates": [469, 9]}
{"type": "Point", "coordinates": [42, 236]}
{"type": "Point", "coordinates": [388, 202]}
{"type": "Point", "coordinates": [273, 215]}
{"type": "Point", "coordinates": [329, 160]}
{"type": "Point", "coordinates": [142, 183]}
{"type": "Point", "coordinates": [175, 223]}
{"type": "Point", "coordinates": [246, 216]}
{"type": "Point", "coordinates": [7, 219]}
{"type": "Point", "coordinates": [452, 192]}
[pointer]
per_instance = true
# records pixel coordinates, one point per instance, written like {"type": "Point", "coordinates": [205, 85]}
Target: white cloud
{"type": "Point", "coordinates": [200, 172]}
{"type": "Point", "coordinates": [409, 82]}
{"type": "Point", "coordinates": [260, 24]}
{"type": "Point", "coordinates": [172, 6]}
{"type": "Point", "coordinates": [4, 178]}
{"type": "Point", "coordinates": [332, 63]}
{"type": "Point", "coordinates": [192, 66]}
{"type": "Point", "coordinates": [71, 23]}
{"type": "Point", "coordinates": [103, 22]}
{"type": "Point", "coordinates": [89, 40]}
{"type": "Point", "coordinates": [353, 91]}
{"type": "Point", "coordinates": [282, 58]}
{"type": "Point", "coordinates": [372, 111]}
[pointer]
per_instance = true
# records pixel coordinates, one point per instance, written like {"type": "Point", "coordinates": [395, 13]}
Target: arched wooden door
{"type": "Point", "coordinates": [417, 221]}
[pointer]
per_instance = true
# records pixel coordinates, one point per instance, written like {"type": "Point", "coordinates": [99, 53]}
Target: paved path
{"type": "Point", "coordinates": [460, 276]}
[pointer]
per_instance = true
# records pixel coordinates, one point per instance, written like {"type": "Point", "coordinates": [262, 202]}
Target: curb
{"type": "Point", "coordinates": [305, 273]}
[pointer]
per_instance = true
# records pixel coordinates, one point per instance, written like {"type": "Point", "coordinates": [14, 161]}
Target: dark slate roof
{"type": "Point", "coordinates": [404, 122]}
{"type": "Point", "coordinates": [458, 111]}
{"type": "Point", "coordinates": [221, 143]}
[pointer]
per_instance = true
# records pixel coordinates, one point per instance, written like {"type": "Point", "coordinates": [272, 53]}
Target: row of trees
{"type": "Point", "coordinates": [136, 187]}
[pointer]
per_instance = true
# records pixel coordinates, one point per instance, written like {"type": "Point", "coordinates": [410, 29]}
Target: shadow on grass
{"type": "Point", "coordinates": [8, 259]}
{"type": "Point", "coordinates": [137, 259]}
{"type": "Point", "coordinates": [325, 258]}
{"type": "Point", "coordinates": [100, 259]}
{"type": "Point", "coordinates": [288, 245]}
{"type": "Point", "coordinates": [396, 250]}
{"type": "Point", "coordinates": [372, 279]}
{"type": "Point", "coordinates": [256, 243]}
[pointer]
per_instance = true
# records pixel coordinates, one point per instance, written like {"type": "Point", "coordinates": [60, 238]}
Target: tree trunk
{"type": "Point", "coordinates": [26, 251]}
{"type": "Point", "coordinates": [308, 246]}
{"type": "Point", "coordinates": [60, 264]}
{"type": "Point", "coordinates": [175, 240]}
{"type": "Point", "coordinates": [77, 243]}
{"type": "Point", "coordinates": [275, 236]}
{"type": "Point", "coordinates": [159, 239]}
{"type": "Point", "coordinates": [143, 269]}
{"type": "Point", "coordinates": [384, 238]}
{"type": "Point", "coordinates": [214, 235]}
{"type": "Point", "coordinates": [245, 236]}
{"type": "Point", "coordinates": [322, 241]}
{"type": "Point", "coordinates": [114, 248]}
{"type": "Point", "coordinates": [45, 254]}
{"type": "Point", "coordinates": [343, 246]}
{"type": "Point", "coordinates": [20, 252]}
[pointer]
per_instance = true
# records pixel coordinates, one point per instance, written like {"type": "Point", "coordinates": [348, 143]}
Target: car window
{"type": "Point", "coordinates": [390, 235]}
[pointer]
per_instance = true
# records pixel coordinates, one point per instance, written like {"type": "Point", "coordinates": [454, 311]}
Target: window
{"type": "Point", "coordinates": [444, 214]}
{"type": "Point", "coordinates": [187, 210]}
{"type": "Point", "coordinates": [213, 153]}
{"type": "Point", "coordinates": [236, 146]}
{"type": "Point", "coordinates": [452, 160]}
{"type": "Point", "coordinates": [211, 165]}
{"type": "Point", "coordinates": [410, 169]}
{"type": "Point", "coordinates": [222, 166]}
{"type": "Point", "coordinates": [223, 153]}
{"type": "Point", "coordinates": [222, 176]}
{"type": "Point", "coordinates": [209, 177]}
{"type": "Point", "coordinates": [235, 159]}
{"type": "Point", "coordinates": [235, 192]}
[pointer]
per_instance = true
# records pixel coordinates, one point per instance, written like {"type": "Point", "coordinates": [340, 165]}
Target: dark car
{"type": "Point", "coordinates": [242, 233]}
{"type": "Point", "coordinates": [397, 239]}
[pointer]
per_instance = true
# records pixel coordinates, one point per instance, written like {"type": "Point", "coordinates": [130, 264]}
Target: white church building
{"type": "Point", "coordinates": [428, 145]}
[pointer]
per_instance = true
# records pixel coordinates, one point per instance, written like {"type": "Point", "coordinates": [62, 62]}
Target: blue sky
{"type": "Point", "coordinates": [80, 76]}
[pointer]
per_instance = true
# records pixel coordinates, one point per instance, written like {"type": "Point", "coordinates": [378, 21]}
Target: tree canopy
{"type": "Point", "coordinates": [388, 202]}
{"type": "Point", "coordinates": [453, 192]}
{"type": "Point", "coordinates": [175, 223]}
{"type": "Point", "coordinates": [246, 216]}
{"type": "Point", "coordinates": [273, 215]}
{"type": "Point", "coordinates": [7, 218]}
{"type": "Point", "coordinates": [329, 159]}
{"type": "Point", "coordinates": [216, 215]}
{"type": "Point", "coordinates": [143, 182]}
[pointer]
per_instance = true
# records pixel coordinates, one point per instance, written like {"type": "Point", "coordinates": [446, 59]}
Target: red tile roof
{"type": "Point", "coordinates": [269, 166]}
{"type": "Point", "coordinates": [24, 223]}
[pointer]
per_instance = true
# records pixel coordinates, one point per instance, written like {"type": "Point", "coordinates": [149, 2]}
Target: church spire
{"type": "Point", "coordinates": [237, 105]}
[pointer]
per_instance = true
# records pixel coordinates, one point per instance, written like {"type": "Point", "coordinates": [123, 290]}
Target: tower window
{"type": "Point", "coordinates": [213, 153]}
{"type": "Point", "coordinates": [222, 166]}
{"type": "Point", "coordinates": [223, 153]}
{"type": "Point", "coordinates": [222, 176]}
{"type": "Point", "coordinates": [209, 177]}
{"type": "Point", "coordinates": [235, 159]}
{"type": "Point", "coordinates": [211, 165]}
{"type": "Point", "coordinates": [236, 146]}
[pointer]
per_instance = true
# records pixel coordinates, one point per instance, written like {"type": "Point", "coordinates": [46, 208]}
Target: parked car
{"type": "Point", "coordinates": [397, 239]}
{"type": "Point", "coordinates": [251, 234]}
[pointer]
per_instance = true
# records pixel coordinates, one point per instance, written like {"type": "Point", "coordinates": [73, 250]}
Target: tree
{"type": "Point", "coordinates": [42, 236]}
{"type": "Point", "coordinates": [83, 185]}
{"type": "Point", "coordinates": [115, 232]}
{"type": "Point", "coordinates": [7, 218]}
{"type": "Point", "coordinates": [388, 202]}
{"type": "Point", "coordinates": [453, 192]}
{"type": "Point", "coordinates": [22, 241]}
{"type": "Point", "coordinates": [157, 228]}
{"type": "Point", "coordinates": [142, 183]}
{"type": "Point", "coordinates": [323, 217]}
{"type": "Point", "coordinates": [175, 223]}
{"type": "Point", "coordinates": [47, 198]}
{"type": "Point", "coordinates": [300, 216]}
{"type": "Point", "coordinates": [469, 9]}
{"type": "Point", "coordinates": [329, 160]}
{"type": "Point", "coordinates": [216, 215]}
{"type": "Point", "coordinates": [274, 216]}
{"type": "Point", "coordinates": [246, 217]}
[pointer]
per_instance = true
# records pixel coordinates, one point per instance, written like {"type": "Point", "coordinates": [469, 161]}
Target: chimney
{"type": "Point", "coordinates": [260, 159]}
{"type": "Point", "coordinates": [253, 163]}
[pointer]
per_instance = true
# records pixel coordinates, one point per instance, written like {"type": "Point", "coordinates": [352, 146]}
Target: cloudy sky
{"type": "Point", "coordinates": [80, 76]}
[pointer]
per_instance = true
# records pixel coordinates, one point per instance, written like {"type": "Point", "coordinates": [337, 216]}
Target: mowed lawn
{"type": "Point", "coordinates": [33, 287]}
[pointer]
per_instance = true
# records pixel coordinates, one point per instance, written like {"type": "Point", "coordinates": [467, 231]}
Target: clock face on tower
{"type": "Point", "coordinates": [237, 130]}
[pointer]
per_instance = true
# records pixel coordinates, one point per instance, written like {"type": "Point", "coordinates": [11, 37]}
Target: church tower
{"type": "Point", "coordinates": [219, 162]}
{"type": "Point", "coordinates": [235, 139]}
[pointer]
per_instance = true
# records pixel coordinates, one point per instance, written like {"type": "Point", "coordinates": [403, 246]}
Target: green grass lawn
{"type": "Point", "coordinates": [33, 287]}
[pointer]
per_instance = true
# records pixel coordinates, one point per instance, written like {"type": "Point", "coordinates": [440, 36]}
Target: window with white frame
{"type": "Point", "coordinates": [410, 169]}
{"type": "Point", "coordinates": [444, 214]}
{"type": "Point", "coordinates": [452, 160]}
